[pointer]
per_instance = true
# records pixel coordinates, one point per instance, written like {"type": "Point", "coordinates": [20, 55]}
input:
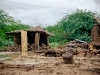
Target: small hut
{"type": "Point", "coordinates": [36, 35]}
{"type": "Point", "coordinates": [95, 32]}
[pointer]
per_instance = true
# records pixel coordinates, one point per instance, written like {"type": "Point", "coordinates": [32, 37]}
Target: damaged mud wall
{"type": "Point", "coordinates": [95, 33]}
{"type": "Point", "coordinates": [17, 38]}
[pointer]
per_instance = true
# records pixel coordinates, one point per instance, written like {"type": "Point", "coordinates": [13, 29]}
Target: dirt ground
{"type": "Point", "coordinates": [35, 64]}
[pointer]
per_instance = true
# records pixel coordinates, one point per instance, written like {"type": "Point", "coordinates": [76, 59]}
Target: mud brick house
{"type": "Point", "coordinates": [34, 36]}
{"type": "Point", "coordinates": [95, 32]}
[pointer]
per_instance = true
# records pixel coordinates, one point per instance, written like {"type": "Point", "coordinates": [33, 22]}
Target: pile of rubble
{"type": "Point", "coordinates": [82, 48]}
{"type": "Point", "coordinates": [72, 45]}
{"type": "Point", "coordinates": [35, 48]}
{"type": "Point", "coordinates": [31, 47]}
{"type": "Point", "coordinates": [76, 47]}
{"type": "Point", "coordinates": [14, 47]}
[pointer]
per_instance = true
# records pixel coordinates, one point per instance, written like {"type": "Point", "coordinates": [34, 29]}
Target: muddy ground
{"type": "Point", "coordinates": [17, 63]}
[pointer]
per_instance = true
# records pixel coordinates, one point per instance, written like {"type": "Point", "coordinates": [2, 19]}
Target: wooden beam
{"type": "Point", "coordinates": [24, 41]}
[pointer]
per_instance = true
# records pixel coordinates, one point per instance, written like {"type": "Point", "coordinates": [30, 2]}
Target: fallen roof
{"type": "Point", "coordinates": [33, 29]}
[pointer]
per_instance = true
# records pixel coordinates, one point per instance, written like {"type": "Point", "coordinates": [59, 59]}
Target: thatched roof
{"type": "Point", "coordinates": [33, 29]}
{"type": "Point", "coordinates": [97, 20]}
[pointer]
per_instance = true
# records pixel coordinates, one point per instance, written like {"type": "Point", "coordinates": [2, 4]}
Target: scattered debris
{"type": "Point", "coordinates": [54, 52]}
{"type": "Point", "coordinates": [12, 48]}
{"type": "Point", "coordinates": [31, 47]}
{"type": "Point", "coordinates": [40, 65]}
{"type": "Point", "coordinates": [92, 48]}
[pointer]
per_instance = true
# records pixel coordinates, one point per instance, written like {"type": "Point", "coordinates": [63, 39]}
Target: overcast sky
{"type": "Point", "coordinates": [45, 12]}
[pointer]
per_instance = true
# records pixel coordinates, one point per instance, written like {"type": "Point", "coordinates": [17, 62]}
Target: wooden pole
{"type": "Point", "coordinates": [24, 41]}
{"type": "Point", "coordinates": [37, 39]}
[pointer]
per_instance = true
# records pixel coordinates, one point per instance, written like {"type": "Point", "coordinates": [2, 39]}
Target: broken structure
{"type": "Point", "coordinates": [36, 36]}
{"type": "Point", "coordinates": [95, 32]}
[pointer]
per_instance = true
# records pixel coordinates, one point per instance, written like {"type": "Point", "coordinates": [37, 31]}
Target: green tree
{"type": "Point", "coordinates": [78, 25]}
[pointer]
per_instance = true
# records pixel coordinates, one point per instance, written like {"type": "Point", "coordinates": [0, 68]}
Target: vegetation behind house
{"type": "Point", "coordinates": [75, 25]}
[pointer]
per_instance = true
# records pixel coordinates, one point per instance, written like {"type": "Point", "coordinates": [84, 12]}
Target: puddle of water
{"type": "Point", "coordinates": [17, 54]}
{"type": "Point", "coordinates": [31, 63]}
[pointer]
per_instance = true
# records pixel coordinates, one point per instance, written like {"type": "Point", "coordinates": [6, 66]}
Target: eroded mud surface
{"type": "Point", "coordinates": [35, 64]}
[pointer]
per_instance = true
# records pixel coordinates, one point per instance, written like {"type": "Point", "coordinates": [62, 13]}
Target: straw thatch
{"type": "Point", "coordinates": [33, 29]}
